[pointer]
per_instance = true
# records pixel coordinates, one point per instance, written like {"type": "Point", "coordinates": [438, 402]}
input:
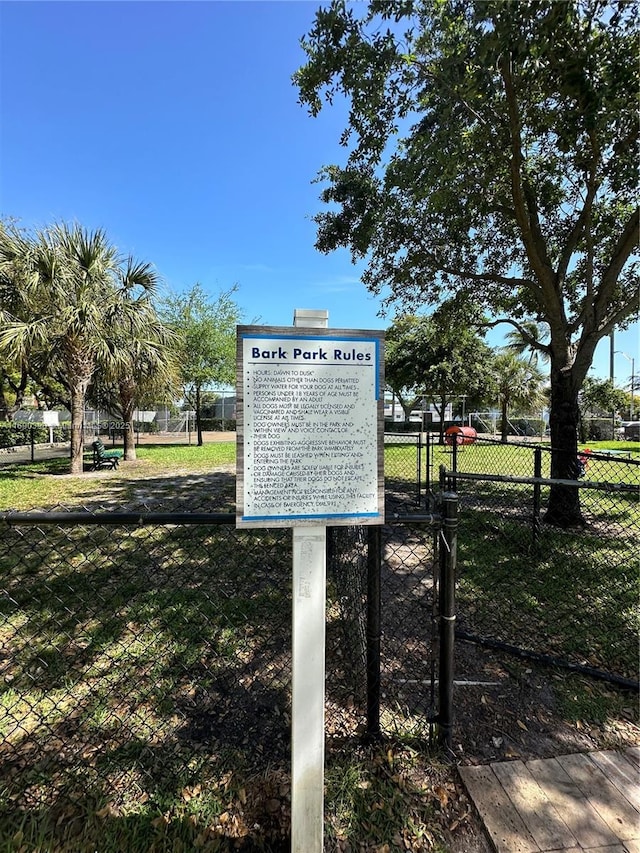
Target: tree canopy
{"type": "Point", "coordinates": [492, 154]}
{"type": "Point", "coordinates": [69, 301]}
{"type": "Point", "coordinates": [205, 329]}
{"type": "Point", "coordinates": [428, 356]}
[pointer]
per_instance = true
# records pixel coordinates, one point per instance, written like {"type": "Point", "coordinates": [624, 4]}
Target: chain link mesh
{"type": "Point", "coordinates": [130, 668]}
{"type": "Point", "coordinates": [408, 621]}
{"type": "Point", "coordinates": [567, 593]}
{"type": "Point", "coordinates": [141, 661]}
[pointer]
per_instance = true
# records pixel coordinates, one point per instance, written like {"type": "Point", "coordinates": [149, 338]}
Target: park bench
{"type": "Point", "coordinates": [103, 458]}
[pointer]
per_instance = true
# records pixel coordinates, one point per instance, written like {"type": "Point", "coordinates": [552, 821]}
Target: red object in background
{"type": "Point", "coordinates": [460, 435]}
{"type": "Point", "coordinates": [583, 456]}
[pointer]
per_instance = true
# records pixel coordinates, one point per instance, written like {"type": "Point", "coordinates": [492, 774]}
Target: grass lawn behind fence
{"type": "Point", "coordinates": [137, 648]}
{"type": "Point", "coordinates": [136, 713]}
{"type": "Point", "coordinates": [48, 483]}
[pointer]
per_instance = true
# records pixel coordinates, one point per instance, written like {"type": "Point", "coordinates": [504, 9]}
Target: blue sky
{"type": "Point", "coordinates": [175, 126]}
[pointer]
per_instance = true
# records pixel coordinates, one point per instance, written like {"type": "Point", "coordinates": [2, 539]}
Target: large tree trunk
{"type": "Point", "coordinates": [198, 420]}
{"type": "Point", "coordinates": [127, 405]}
{"type": "Point", "coordinates": [78, 392]}
{"type": "Point", "coordinates": [563, 509]}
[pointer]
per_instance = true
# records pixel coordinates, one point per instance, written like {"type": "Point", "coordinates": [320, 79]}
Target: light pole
{"type": "Point", "coordinates": [464, 397]}
{"type": "Point", "coordinates": [633, 366]}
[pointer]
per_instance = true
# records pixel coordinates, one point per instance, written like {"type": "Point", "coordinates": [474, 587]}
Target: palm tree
{"type": "Point", "coordinates": [518, 384]}
{"type": "Point", "coordinates": [77, 298]}
{"type": "Point", "coordinates": [142, 360]}
{"type": "Point", "coordinates": [14, 366]}
{"type": "Point", "coordinates": [529, 337]}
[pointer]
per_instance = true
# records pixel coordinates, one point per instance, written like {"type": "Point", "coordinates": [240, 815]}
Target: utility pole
{"type": "Point", "coordinates": [612, 350]}
{"type": "Point", "coordinates": [633, 377]}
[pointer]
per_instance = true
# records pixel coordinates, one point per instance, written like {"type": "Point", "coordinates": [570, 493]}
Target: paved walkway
{"type": "Point", "coordinates": [570, 803]}
{"type": "Point", "coordinates": [22, 455]}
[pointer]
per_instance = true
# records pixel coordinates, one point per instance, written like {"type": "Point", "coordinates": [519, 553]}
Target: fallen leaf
{"type": "Point", "coordinates": [442, 796]}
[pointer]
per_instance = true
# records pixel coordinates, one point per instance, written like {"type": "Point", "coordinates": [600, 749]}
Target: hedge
{"type": "Point", "coordinates": [18, 433]}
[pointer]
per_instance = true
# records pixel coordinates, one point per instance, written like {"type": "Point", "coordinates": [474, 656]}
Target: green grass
{"type": "Point", "coordinates": [42, 484]}
{"type": "Point", "coordinates": [632, 446]}
{"type": "Point", "coordinates": [572, 594]}
{"type": "Point", "coordinates": [48, 483]}
{"type": "Point", "coordinates": [189, 457]}
{"type": "Point", "coordinates": [145, 667]}
{"type": "Point", "coordinates": [146, 664]}
{"type": "Point", "coordinates": [377, 794]}
{"type": "Point", "coordinates": [144, 705]}
{"type": "Point", "coordinates": [497, 459]}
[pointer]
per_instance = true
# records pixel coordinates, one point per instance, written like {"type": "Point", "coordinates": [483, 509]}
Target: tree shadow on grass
{"type": "Point", "coordinates": [136, 660]}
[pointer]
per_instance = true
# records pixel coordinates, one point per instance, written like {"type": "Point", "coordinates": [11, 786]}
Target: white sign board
{"type": "Point", "coordinates": [310, 427]}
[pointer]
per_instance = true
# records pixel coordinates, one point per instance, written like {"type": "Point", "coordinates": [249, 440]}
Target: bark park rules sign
{"type": "Point", "coordinates": [310, 426]}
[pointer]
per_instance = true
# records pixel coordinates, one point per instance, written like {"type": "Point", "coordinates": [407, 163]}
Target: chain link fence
{"type": "Point", "coordinates": [409, 466]}
{"type": "Point", "coordinates": [385, 584]}
{"type": "Point", "coordinates": [145, 657]}
{"type": "Point", "coordinates": [565, 595]}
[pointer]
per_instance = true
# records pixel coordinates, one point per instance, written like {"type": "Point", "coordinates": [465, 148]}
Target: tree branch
{"type": "Point", "coordinates": [627, 242]}
{"type": "Point", "coordinates": [524, 202]}
{"type": "Point", "coordinates": [578, 229]}
{"type": "Point", "coordinates": [526, 336]}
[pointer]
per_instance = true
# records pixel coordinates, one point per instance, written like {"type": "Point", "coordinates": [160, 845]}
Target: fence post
{"type": "Point", "coordinates": [447, 596]}
{"type": "Point", "coordinates": [428, 464]}
{"type": "Point", "coordinates": [374, 609]}
{"type": "Point", "coordinates": [454, 460]}
{"type": "Point", "coordinates": [419, 465]}
{"type": "Point", "coordinates": [537, 473]}
{"type": "Point", "coordinates": [33, 444]}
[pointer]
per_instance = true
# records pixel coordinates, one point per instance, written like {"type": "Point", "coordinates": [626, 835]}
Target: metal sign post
{"type": "Point", "coordinates": [309, 453]}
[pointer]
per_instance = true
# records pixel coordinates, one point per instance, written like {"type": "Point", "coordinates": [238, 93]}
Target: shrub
{"type": "Point", "coordinates": [18, 433]}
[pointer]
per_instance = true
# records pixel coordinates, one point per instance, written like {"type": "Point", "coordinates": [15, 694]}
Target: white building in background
{"type": "Point", "coordinates": [394, 411]}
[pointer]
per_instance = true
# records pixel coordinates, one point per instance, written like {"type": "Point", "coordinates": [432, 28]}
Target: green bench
{"type": "Point", "coordinates": [103, 458]}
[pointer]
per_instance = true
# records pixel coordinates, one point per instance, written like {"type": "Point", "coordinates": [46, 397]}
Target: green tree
{"type": "Point", "coordinates": [438, 357]}
{"type": "Point", "coordinates": [518, 384]}
{"type": "Point", "coordinates": [14, 382]}
{"type": "Point", "coordinates": [146, 365]}
{"type": "Point", "coordinates": [206, 333]}
{"type": "Point", "coordinates": [75, 301]}
{"type": "Point", "coordinates": [403, 378]}
{"type": "Point", "coordinates": [492, 152]}
{"type": "Point", "coordinates": [600, 397]}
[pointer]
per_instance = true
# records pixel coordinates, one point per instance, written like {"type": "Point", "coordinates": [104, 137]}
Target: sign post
{"type": "Point", "coordinates": [310, 437]}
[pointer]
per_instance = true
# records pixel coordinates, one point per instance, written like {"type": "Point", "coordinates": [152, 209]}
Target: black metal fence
{"type": "Point", "coordinates": [564, 595]}
{"type": "Point", "coordinates": [409, 469]}
{"type": "Point", "coordinates": [147, 656]}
